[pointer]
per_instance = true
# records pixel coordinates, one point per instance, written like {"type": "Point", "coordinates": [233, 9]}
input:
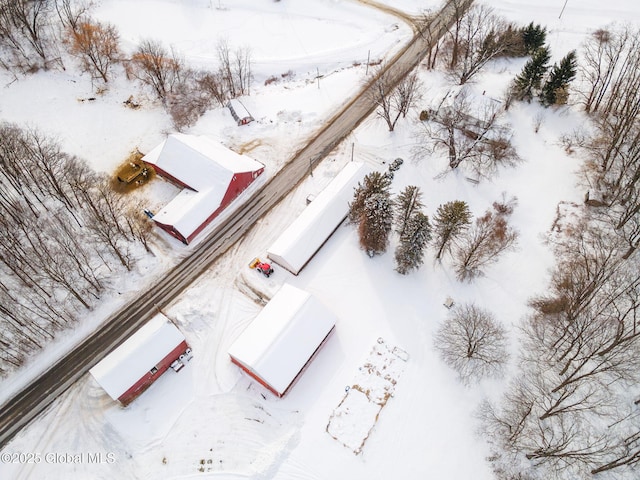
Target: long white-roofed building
{"type": "Point", "coordinates": [297, 244]}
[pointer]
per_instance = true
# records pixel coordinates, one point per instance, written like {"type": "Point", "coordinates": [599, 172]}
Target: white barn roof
{"type": "Point", "coordinates": [207, 167]}
{"type": "Point", "coordinates": [129, 362]}
{"type": "Point", "coordinates": [302, 239]}
{"type": "Point", "coordinates": [283, 337]}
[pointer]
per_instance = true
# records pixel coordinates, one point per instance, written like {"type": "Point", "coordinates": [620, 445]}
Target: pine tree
{"type": "Point", "coordinates": [407, 203]}
{"type": "Point", "coordinates": [529, 80]}
{"type": "Point", "coordinates": [376, 222]}
{"type": "Point", "coordinates": [374, 182]}
{"type": "Point", "coordinates": [409, 254]}
{"type": "Point", "coordinates": [450, 220]}
{"type": "Point", "coordinates": [554, 90]}
{"type": "Point", "coordinates": [533, 37]}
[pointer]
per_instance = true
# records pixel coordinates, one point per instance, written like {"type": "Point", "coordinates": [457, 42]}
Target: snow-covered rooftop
{"type": "Point", "coordinates": [302, 239]}
{"type": "Point", "coordinates": [128, 363]}
{"type": "Point", "coordinates": [206, 167]}
{"type": "Point", "coordinates": [283, 337]}
{"type": "Point", "coordinates": [199, 162]}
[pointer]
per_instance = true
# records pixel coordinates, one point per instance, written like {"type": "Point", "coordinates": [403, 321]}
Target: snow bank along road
{"type": "Point", "coordinates": [33, 399]}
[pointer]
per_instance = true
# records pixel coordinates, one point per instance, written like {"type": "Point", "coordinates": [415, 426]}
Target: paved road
{"type": "Point", "coordinates": [32, 400]}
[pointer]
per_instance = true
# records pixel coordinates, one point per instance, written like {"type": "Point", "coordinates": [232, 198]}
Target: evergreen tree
{"type": "Point", "coordinates": [408, 202]}
{"type": "Point", "coordinates": [554, 90]}
{"type": "Point", "coordinates": [374, 182]}
{"type": "Point", "coordinates": [376, 222]}
{"type": "Point", "coordinates": [409, 254]}
{"type": "Point", "coordinates": [533, 37]}
{"type": "Point", "coordinates": [450, 220]}
{"type": "Point", "coordinates": [529, 80]}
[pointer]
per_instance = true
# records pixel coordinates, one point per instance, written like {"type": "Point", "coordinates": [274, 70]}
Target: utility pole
{"type": "Point", "coordinates": [562, 11]}
{"type": "Point", "coordinates": [366, 72]}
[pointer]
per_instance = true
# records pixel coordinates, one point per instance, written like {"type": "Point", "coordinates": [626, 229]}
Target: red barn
{"type": "Point", "coordinates": [211, 176]}
{"type": "Point", "coordinates": [133, 366]}
{"type": "Point", "coordinates": [283, 339]}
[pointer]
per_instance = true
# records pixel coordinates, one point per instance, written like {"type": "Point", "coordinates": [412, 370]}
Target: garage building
{"type": "Point", "coordinates": [138, 362]}
{"type": "Point", "coordinates": [283, 339]}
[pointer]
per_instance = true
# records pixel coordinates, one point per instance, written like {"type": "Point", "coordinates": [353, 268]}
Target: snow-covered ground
{"type": "Point", "coordinates": [210, 420]}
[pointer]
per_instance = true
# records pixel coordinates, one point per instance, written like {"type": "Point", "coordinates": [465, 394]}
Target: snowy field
{"type": "Point", "coordinates": [212, 421]}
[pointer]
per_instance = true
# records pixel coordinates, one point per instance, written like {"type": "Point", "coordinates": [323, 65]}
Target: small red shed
{"type": "Point", "coordinates": [138, 362]}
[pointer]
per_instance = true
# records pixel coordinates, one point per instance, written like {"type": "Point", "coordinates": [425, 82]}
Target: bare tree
{"type": "Point", "coordinates": [472, 343]}
{"type": "Point", "coordinates": [96, 44]}
{"type": "Point", "coordinates": [72, 12]}
{"type": "Point", "coordinates": [626, 453]}
{"type": "Point", "coordinates": [579, 353]}
{"type": "Point", "coordinates": [106, 219]}
{"type": "Point", "coordinates": [242, 72]}
{"type": "Point", "coordinates": [60, 229]}
{"type": "Point", "coordinates": [424, 20]}
{"type": "Point", "coordinates": [479, 37]}
{"type": "Point", "coordinates": [24, 32]}
{"type": "Point", "coordinates": [609, 58]}
{"type": "Point", "coordinates": [234, 69]}
{"type": "Point", "coordinates": [394, 101]}
{"type": "Point", "coordinates": [453, 40]}
{"type": "Point", "coordinates": [525, 445]}
{"type": "Point", "coordinates": [139, 225]}
{"type": "Point", "coordinates": [481, 244]}
{"type": "Point", "coordinates": [225, 69]}
{"type": "Point", "coordinates": [213, 85]}
{"type": "Point", "coordinates": [477, 141]}
{"type": "Point", "coordinates": [154, 66]}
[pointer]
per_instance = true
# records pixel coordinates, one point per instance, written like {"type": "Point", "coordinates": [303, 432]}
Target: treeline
{"type": "Point", "coordinates": [63, 234]}
{"type": "Point", "coordinates": [47, 34]}
{"type": "Point", "coordinates": [572, 408]}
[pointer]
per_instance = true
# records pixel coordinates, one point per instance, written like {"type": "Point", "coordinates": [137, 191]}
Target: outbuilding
{"type": "Point", "coordinates": [211, 176]}
{"type": "Point", "coordinates": [297, 244]}
{"type": "Point", "coordinates": [239, 112]}
{"type": "Point", "coordinates": [283, 339]}
{"type": "Point", "coordinates": [132, 367]}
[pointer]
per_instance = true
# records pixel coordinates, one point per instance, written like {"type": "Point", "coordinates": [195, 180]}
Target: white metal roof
{"type": "Point", "coordinates": [207, 167]}
{"type": "Point", "coordinates": [283, 337]}
{"type": "Point", "coordinates": [302, 239]}
{"type": "Point", "coordinates": [142, 351]}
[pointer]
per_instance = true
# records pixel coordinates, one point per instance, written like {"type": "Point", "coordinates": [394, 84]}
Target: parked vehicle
{"type": "Point", "coordinates": [261, 267]}
{"type": "Point", "coordinates": [177, 365]}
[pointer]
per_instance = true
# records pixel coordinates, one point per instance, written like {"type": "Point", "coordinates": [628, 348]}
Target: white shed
{"type": "Point", "coordinates": [277, 346]}
{"type": "Point", "coordinates": [294, 248]}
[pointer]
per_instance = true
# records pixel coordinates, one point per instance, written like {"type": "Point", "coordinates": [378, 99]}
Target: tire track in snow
{"type": "Point", "coordinates": [249, 439]}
